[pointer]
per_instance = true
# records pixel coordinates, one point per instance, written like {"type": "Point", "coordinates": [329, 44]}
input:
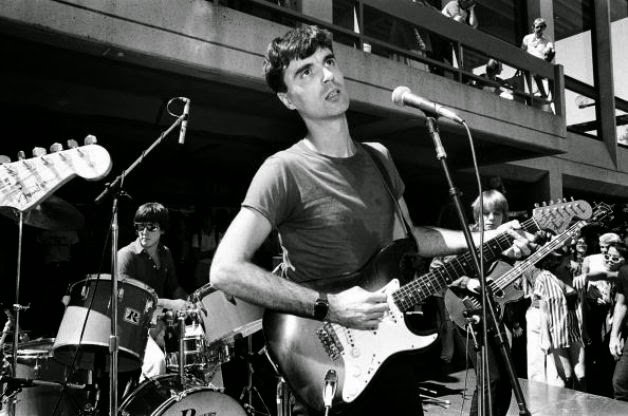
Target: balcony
{"type": "Point", "coordinates": [112, 65]}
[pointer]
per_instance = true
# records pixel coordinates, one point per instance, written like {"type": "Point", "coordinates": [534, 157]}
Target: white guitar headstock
{"type": "Point", "coordinates": [27, 182]}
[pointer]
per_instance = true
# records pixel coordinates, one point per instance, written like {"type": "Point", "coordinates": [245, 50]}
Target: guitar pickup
{"type": "Point", "coordinates": [328, 337]}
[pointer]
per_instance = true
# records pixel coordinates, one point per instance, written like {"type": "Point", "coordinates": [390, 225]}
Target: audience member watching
{"type": "Point", "coordinates": [617, 255]}
{"type": "Point", "coordinates": [555, 348]}
{"type": "Point", "coordinates": [493, 69]}
{"type": "Point", "coordinates": [539, 45]}
{"type": "Point", "coordinates": [462, 11]}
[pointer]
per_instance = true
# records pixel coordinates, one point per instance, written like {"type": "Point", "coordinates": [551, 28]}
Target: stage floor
{"type": "Point", "coordinates": [541, 399]}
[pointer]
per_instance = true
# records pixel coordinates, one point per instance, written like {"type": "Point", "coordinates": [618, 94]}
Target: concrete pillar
{"type": "Point", "coordinates": [320, 9]}
{"type": "Point", "coordinates": [603, 77]}
{"type": "Point", "coordinates": [554, 181]}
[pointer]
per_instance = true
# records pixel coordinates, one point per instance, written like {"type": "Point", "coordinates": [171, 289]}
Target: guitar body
{"type": "Point", "coordinates": [459, 307]}
{"type": "Point", "coordinates": [305, 349]}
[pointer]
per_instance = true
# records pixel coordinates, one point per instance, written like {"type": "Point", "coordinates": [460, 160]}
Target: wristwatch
{"type": "Point", "coordinates": [321, 307]}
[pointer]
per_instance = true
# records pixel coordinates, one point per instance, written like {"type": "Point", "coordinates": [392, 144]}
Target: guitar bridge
{"type": "Point", "coordinates": [328, 337]}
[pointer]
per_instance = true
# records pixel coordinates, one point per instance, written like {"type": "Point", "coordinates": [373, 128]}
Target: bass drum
{"type": "Point", "coordinates": [165, 396]}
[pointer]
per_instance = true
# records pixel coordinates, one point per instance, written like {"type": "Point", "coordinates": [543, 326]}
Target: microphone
{"type": "Point", "coordinates": [184, 123]}
{"type": "Point", "coordinates": [403, 96]}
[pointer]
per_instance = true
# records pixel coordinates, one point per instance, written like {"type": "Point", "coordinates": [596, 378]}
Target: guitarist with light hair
{"type": "Point", "coordinates": [335, 202]}
{"type": "Point", "coordinates": [494, 212]}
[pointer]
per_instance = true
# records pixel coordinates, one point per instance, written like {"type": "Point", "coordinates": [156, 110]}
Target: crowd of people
{"type": "Point", "coordinates": [424, 43]}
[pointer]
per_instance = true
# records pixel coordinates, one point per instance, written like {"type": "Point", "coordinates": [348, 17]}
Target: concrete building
{"type": "Point", "coordinates": [108, 68]}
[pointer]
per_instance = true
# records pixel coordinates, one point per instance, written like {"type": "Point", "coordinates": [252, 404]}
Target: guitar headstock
{"type": "Point", "coordinates": [27, 182]}
{"type": "Point", "coordinates": [557, 216]}
{"type": "Point", "coordinates": [601, 212]}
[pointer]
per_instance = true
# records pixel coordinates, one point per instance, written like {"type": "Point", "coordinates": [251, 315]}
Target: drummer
{"type": "Point", "coordinates": [147, 260]}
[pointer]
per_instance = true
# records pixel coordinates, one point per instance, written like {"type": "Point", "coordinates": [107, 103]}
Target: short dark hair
{"type": "Point", "coordinates": [298, 43]}
{"type": "Point", "coordinates": [152, 212]}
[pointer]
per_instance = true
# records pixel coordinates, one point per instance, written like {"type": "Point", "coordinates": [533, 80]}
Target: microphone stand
{"type": "Point", "coordinates": [484, 393]}
{"type": "Point", "coordinates": [116, 187]}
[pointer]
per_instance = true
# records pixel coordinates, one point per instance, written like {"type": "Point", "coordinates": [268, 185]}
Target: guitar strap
{"type": "Point", "coordinates": [374, 154]}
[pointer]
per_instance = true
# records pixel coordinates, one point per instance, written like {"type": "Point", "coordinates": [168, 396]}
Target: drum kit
{"type": "Point", "coordinates": [63, 375]}
{"type": "Point", "coordinates": [58, 375]}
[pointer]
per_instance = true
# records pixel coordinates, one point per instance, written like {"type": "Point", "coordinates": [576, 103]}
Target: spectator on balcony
{"type": "Point", "coordinates": [539, 45]}
{"type": "Point", "coordinates": [410, 37]}
{"type": "Point", "coordinates": [462, 11]}
{"type": "Point", "coordinates": [493, 69]}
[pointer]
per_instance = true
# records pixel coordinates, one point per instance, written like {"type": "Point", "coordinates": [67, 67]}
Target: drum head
{"type": "Point", "coordinates": [201, 401]}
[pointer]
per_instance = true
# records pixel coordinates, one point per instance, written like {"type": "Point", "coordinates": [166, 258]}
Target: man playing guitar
{"type": "Point", "coordinates": [333, 210]}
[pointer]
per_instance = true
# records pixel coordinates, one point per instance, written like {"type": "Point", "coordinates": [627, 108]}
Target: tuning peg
{"type": "Point", "coordinates": [72, 144]}
{"type": "Point", "coordinates": [90, 139]}
{"type": "Point", "coordinates": [544, 204]}
{"type": "Point", "coordinates": [536, 205]}
{"type": "Point", "coordinates": [572, 199]}
{"type": "Point", "coordinates": [56, 147]}
{"type": "Point", "coordinates": [4, 159]}
{"type": "Point", "coordinates": [38, 151]}
{"type": "Point", "coordinates": [21, 155]}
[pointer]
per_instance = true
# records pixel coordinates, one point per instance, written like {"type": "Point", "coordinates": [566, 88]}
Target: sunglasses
{"type": "Point", "coordinates": [140, 226]}
{"type": "Point", "coordinates": [613, 259]}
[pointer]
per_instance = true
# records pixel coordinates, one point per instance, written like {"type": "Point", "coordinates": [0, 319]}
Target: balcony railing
{"type": "Point", "coordinates": [469, 49]}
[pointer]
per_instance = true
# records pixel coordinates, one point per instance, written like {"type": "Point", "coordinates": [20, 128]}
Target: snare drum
{"type": "Point", "coordinates": [136, 302]}
{"type": "Point", "coordinates": [34, 361]}
{"type": "Point", "coordinates": [165, 396]}
{"type": "Point", "coordinates": [194, 350]}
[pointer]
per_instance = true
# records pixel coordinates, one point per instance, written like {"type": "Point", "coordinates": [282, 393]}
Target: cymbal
{"type": "Point", "coordinates": [53, 214]}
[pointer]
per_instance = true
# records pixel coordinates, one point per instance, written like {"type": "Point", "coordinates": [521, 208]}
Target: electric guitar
{"type": "Point", "coordinates": [27, 182]}
{"type": "Point", "coordinates": [305, 349]}
{"type": "Point", "coordinates": [502, 288]}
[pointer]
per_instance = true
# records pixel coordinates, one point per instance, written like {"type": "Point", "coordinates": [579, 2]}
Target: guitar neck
{"type": "Point", "coordinates": [509, 277]}
{"type": "Point", "coordinates": [437, 280]}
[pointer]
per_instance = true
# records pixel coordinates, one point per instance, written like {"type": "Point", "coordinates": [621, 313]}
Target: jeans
{"type": "Point", "coordinates": [620, 376]}
{"type": "Point", "coordinates": [500, 387]}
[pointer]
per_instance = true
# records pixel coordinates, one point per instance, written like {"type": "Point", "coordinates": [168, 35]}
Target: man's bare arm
{"type": "Point", "coordinates": [615, 344]}
{"type": "Point", "coordinates": [233, 272]}
{"type": "Point", "coordinates": [435, 241]}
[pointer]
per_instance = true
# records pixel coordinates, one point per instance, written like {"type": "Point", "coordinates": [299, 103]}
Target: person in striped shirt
{"type": "Point", "coordinates": [555, 347]}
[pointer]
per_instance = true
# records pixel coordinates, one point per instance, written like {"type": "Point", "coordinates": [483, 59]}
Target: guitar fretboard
{"type": "Point", "coordinates": [426, 285]}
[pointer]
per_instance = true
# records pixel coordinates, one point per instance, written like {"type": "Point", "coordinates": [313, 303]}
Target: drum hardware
{"type": "Point", "coordinates": [40, 383]}
{"type": "Point", "coordinates": [182, 358]}
{"type": "Point", "coordinates": [283, 397]}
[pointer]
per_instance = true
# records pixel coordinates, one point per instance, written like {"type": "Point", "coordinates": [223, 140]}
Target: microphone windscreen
{"type": "Point", "coordinates": [398, 93]}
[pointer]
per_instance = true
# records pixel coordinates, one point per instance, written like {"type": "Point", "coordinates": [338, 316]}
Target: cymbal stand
{"type": "Point", "coordinates": [181, 324]}
{"type": "Point", "coordinates": [282, 392]}
{"type": "Point", "coordinates": [18, 308]}
{"type": "Point", "coordinates": [116, 188]}
{"type": "Point", "coordinates": [250, 388]}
